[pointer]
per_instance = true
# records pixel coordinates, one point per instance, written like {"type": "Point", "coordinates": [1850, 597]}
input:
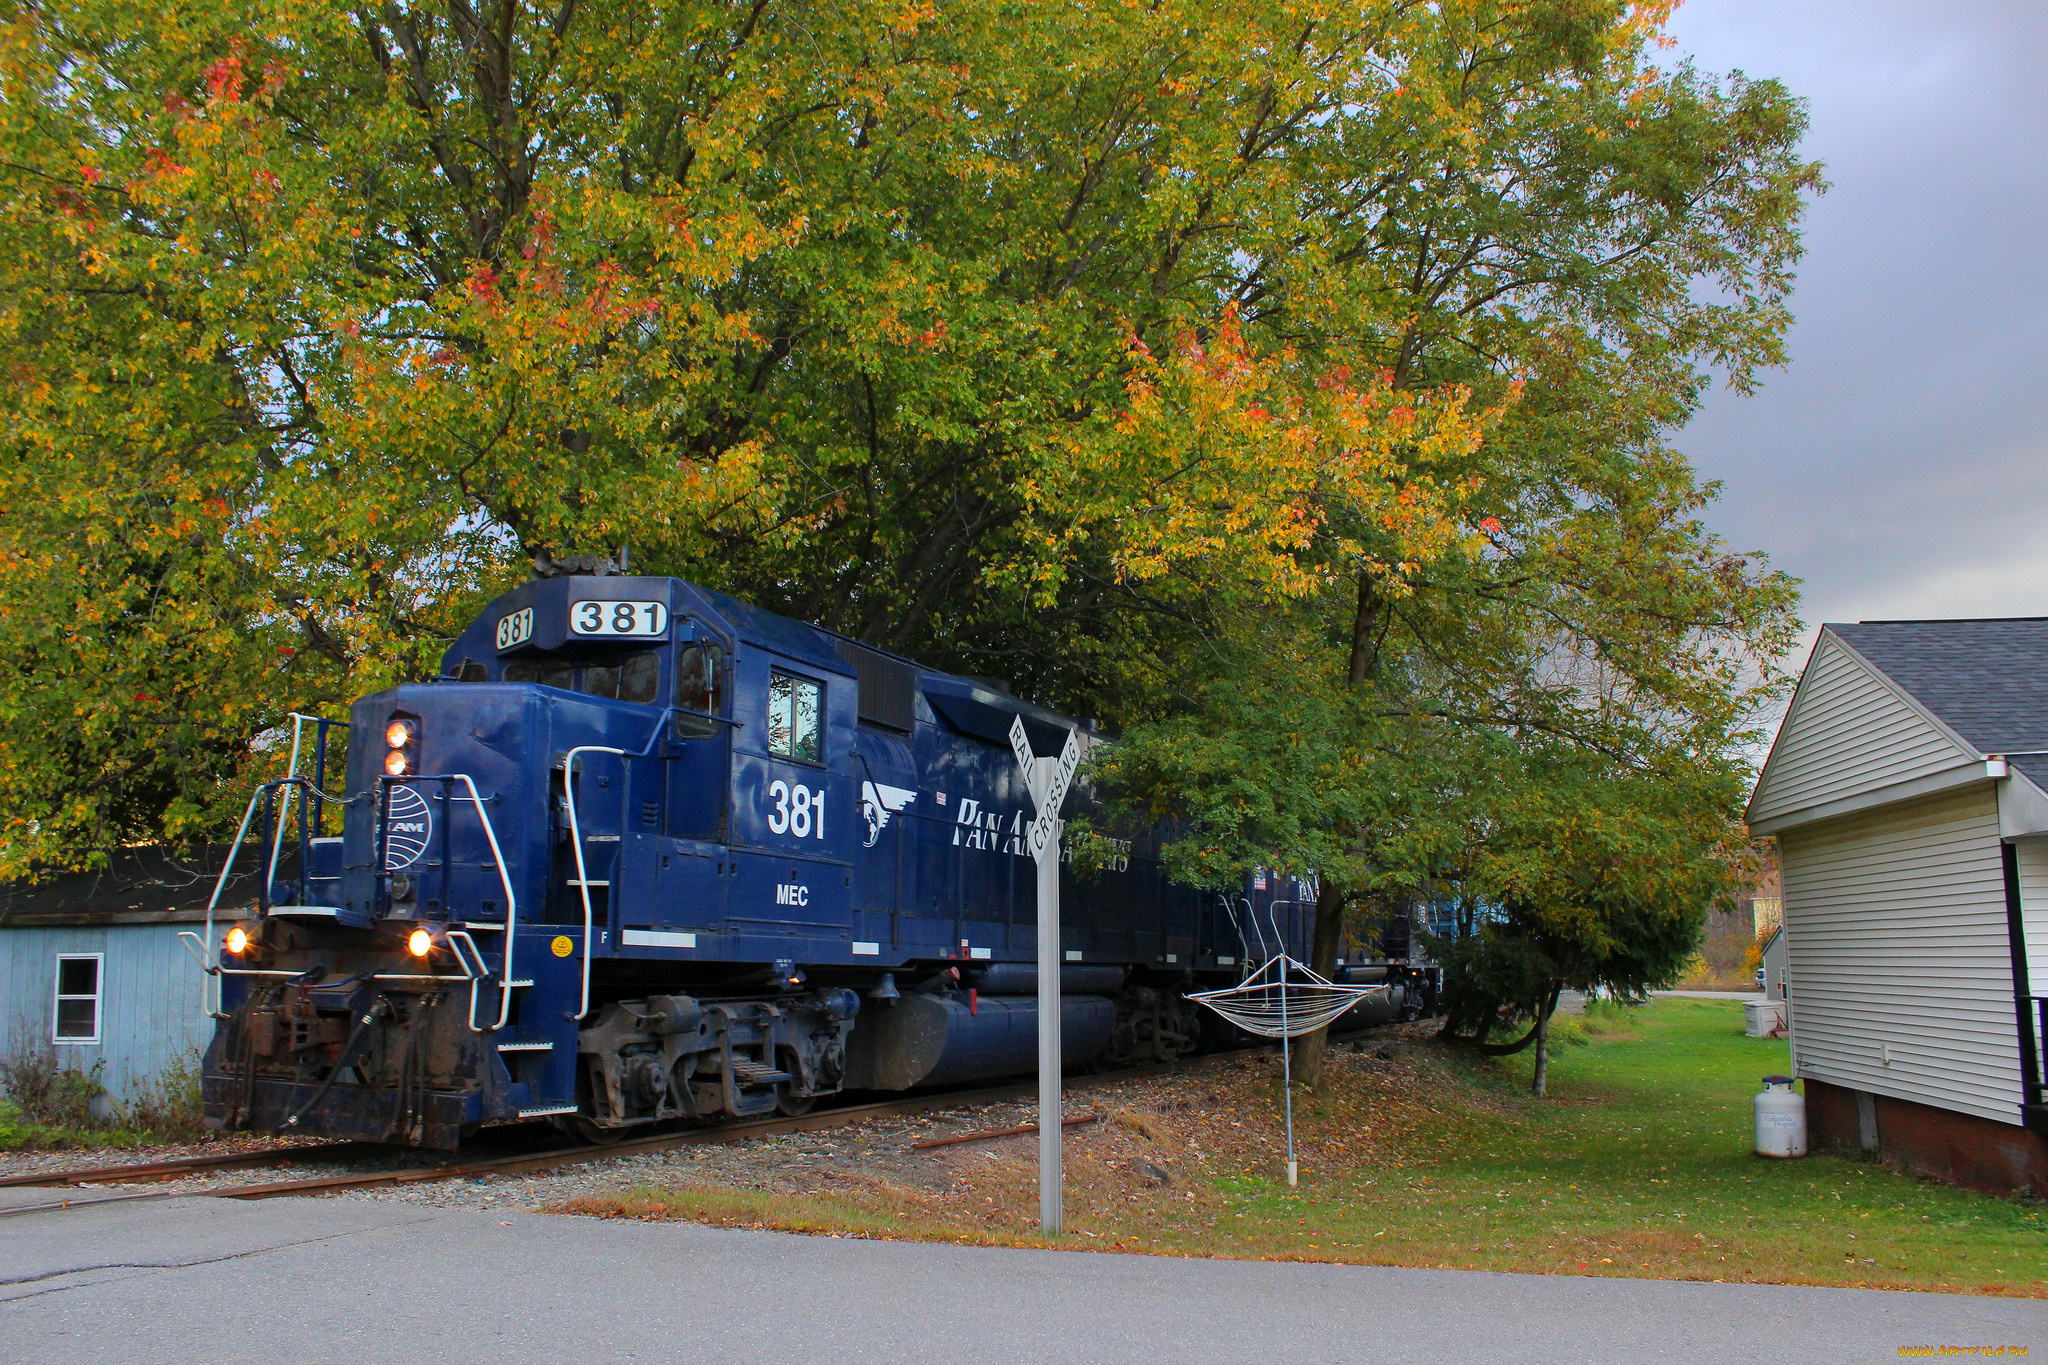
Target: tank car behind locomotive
{"type": "Point", "coordinates": [643, 852]}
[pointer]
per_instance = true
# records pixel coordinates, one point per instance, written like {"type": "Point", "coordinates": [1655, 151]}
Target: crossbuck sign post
{"type": "Point", "coordinates": [1047, 779]}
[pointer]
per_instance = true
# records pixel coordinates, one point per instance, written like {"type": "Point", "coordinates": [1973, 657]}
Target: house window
{"type": "Point", "coordinates": [78, 998]}
{"type": "Point", "coordinates": [794, 718]}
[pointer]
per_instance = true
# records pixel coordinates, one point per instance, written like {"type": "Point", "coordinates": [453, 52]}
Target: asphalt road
{"type": "Point", "coordinates": [192, 1279]}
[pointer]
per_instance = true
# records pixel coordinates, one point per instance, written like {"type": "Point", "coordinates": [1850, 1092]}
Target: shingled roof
{"type": "Point", "coordinates": [138, 886]}
{"type": "Point", "coordinates": [1986, 679]}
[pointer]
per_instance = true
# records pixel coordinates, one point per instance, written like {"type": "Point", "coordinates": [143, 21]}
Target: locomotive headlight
{"type": "Point", "coordinates": [238, 940]}
{"type": "Point", "coordinates": [420, 944]}
{"type": "Point", "coordinates": [401, 742]}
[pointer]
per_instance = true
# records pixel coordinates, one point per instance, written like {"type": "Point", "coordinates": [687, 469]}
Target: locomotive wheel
{"type": "Point", "coordinates": [585, 1129]}
{"type": "Point", "coordinates": [793, 1106]}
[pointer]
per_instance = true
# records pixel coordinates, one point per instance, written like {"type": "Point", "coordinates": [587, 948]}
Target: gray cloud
{"type": "Point", "coordinates": [1899, 464]}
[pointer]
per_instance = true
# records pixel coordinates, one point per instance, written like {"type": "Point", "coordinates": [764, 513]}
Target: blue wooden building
{"type": "Point", "coordinates": [92, 969]}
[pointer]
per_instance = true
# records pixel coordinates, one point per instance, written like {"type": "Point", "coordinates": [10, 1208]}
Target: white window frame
{"type": "Point", "coordinates": [98, 998]}
{"type": "Point", "coordinates": [796, 680]}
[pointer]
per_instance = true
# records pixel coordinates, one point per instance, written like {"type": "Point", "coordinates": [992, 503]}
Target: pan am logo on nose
{"type": "Point", "coordinates": [408, 828]}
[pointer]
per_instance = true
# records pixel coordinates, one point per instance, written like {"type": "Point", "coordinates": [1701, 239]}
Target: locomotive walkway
{"type": "Point", "coordinates": [336, 1280]}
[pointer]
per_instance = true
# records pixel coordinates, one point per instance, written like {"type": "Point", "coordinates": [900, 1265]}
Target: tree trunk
{"type": "Point", "coordinates": [1537, 1086]}
{"type": "Point", "coordinates": [1329, 930]}
{"type": "Point", "coordinates": [1364, 661]}
{"type": "Point", "coordinates": [1322, 955]}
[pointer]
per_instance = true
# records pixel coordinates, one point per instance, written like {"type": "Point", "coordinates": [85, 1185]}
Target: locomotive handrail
{"type": "Point", "coordinates": [687, 711]}
{"type": "Point", "coordinates": [504, 880]}
{"type": "Point", "coordinates": [206, 969]}
{"type": "Point", "coordinates": [511, 902]}
{"type": "Point", "coordinates": [576, 842]}
{"type": "Point", "coordinates": [284, 816]}
{"type": "Point", "coordinates": [475, 977]}
{"type": "Point", "coordinates": [316, 797]}
{"type": "Point", "coordinates": [206, 1009]}
{"type": "Point", "coordinates": [218, 970]}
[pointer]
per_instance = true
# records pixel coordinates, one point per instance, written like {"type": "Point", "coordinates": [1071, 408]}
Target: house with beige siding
{"type": "Point", "coordinates": [1907, 791]}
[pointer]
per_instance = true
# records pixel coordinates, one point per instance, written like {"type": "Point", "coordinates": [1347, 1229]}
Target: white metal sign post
{"type": "Point", "coordinates": [1047, 779]}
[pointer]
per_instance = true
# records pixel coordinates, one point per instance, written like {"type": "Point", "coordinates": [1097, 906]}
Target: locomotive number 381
{"type": "Point", "coordinates": [798, 810]}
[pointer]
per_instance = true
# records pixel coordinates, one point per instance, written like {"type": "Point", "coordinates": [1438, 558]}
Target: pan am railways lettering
{"type": "Point", "coordinates": [978, 828]}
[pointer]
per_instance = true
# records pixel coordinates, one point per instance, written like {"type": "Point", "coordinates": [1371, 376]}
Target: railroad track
{"type": "Point", "coordinates": [527, 1162]}
{"type": "Point", "coordinates": [189, 1166]}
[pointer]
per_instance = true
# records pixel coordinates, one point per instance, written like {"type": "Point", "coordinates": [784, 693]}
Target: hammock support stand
{"type": "Point", "coordinates": [1284, 999]}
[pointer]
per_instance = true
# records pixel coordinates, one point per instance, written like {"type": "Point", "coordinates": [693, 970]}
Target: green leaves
{"type": "Point", "coordinates": [1095, 348]}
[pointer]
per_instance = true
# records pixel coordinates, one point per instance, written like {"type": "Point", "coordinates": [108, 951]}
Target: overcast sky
{"type": "Point", "coordinates": [1897, 464]}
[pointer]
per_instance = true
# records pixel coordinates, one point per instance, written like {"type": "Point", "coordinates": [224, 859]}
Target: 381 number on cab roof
{"type": "Point", "coordinates": [642, 619]}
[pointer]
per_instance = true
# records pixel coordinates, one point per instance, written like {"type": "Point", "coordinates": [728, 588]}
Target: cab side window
{"type": "Point", "coordinates": [697, 677]}
{"type": "Point", "coordinates": [795, 718]}
{"type": "Point", "coordinates": [697, 665]}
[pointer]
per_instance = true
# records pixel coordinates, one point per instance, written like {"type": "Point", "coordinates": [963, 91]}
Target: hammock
{"type": "Point", "coordinates": [1271, 1003]}
{"type": "Point", "coordinates": [1283, 999]}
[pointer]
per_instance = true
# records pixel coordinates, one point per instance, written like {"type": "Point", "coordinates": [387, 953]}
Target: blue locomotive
{"type": "Point", "coordinates": [644, 852]}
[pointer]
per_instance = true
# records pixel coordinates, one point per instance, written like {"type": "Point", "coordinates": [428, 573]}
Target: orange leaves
{"type": "Point", "coordinates": [160, 165]}
{"type": "Point", "coordinates": [1259, 467]}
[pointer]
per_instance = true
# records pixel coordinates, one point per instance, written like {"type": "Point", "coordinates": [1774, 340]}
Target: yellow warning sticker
{"type": "Point", "coordinates": [563, 945]}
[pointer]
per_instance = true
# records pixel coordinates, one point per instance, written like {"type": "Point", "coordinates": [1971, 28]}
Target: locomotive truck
{"type": "Point", "coordinates": [643, 852]}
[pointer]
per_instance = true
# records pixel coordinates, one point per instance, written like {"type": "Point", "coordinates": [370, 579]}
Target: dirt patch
{"type": "Point", "coordinates": [1156, 1161]}
{"type": "Point", "coordinates": [1412, 1153]}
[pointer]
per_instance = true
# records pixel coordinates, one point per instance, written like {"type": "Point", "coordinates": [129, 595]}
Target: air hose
{"type": "Point", "coordinates": [341, 1063]}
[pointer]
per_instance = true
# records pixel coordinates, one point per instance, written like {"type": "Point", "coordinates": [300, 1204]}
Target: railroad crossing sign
{"type": "Point", "coordinates": [1047, 779]}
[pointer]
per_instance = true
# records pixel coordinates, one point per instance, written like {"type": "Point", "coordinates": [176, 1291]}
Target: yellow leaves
{"type": "Point", "coordinates": [1241, 461]}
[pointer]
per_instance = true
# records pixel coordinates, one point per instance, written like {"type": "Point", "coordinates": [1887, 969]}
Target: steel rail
{"type": "Point", "coordinates": [569, 1156]}
{"type": "Point", "coordinates": [182, 1166]}
{"type": "Point", "coordinates": [992, 1134]}
{"type": "Point", "coordinates": [533, 1161]}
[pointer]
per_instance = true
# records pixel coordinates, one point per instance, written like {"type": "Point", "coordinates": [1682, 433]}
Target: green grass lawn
{"type": "Point", "coordinates": [1639, 1163]}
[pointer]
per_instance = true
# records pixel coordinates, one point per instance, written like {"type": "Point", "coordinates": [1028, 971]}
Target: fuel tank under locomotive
{"type": "Point", "coordinates": [945, 1039]}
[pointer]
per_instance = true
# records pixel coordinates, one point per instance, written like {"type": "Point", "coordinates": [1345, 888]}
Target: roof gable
{"type": "Point", "coordinates": [1849, 735]}
{"type": "Point", "coordinates": [1987, 680]}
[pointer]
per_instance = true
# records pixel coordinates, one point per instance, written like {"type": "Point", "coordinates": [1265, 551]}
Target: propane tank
{"type": "Point", "coordinates": [1780, 1119]}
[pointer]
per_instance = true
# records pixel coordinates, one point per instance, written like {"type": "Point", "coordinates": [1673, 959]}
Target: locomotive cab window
{"type": "Point", "coordinates": [633, 677]}
{"type": "Point", "coordinates": [697, 670]}
{"type": "Point", "coordinates": [78, 998]}
{"type": "Point", "coordinates": [795, 718]}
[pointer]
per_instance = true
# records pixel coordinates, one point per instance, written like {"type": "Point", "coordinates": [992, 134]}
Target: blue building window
{"type": "Point", "coordinates": [78, 998]}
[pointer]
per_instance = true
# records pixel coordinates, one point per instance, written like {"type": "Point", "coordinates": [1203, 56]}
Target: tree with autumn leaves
{"type": "Point", "coordinates": [1198, 367]}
